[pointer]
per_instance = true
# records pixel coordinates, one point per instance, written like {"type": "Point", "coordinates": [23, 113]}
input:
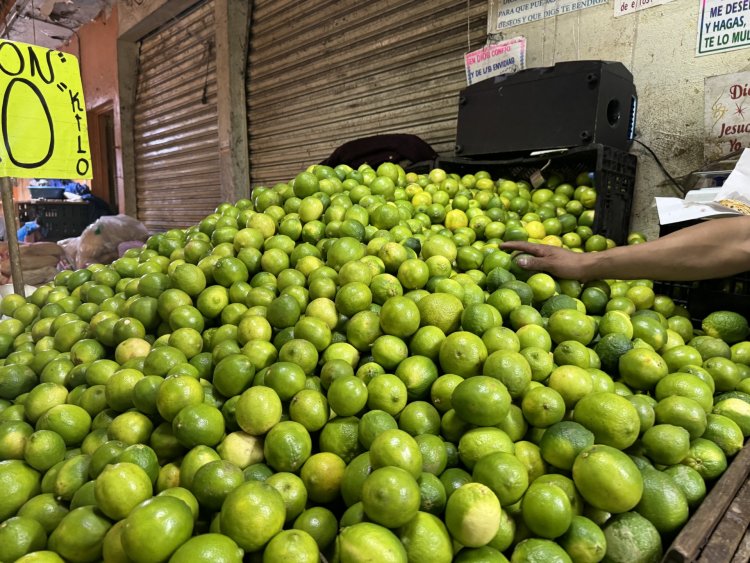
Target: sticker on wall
{"type": "Point", "coordinates": [723, 26]}
{"type": "Point", "coordinates": [504, 14]}
{"type": "Point", "coordinates": [727, 114]}
{"type": "Point", "coordinates": [493, 60]}
{"type": "Point", "coordinates": [625, 7]}
{"type": "Point", "coordinates": [43, 115]}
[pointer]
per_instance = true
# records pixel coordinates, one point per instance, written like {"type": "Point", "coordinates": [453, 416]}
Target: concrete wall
{"type": "Point", "coordinates": [658, 46]}
{"type": "Point", "coordinates": [95, 45]}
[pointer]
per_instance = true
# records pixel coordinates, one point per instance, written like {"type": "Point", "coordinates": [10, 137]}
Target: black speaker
{"type": "Point", "coordinates": [566, 105]}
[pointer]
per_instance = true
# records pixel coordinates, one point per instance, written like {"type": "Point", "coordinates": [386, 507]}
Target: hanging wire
{"type": "Point", "coordinates": [468, 25]}
{"type": "Point", "coordinates": [33, 21]}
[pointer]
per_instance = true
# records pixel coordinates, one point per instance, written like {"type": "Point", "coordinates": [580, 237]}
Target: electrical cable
{"type": "Point", "coordinates": [661, 167]}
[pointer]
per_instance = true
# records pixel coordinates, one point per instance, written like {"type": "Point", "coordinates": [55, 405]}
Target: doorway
{"type": "Point", "coordinates": [102, 144]}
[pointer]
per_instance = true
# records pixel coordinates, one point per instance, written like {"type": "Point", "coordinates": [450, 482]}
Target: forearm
{"type": "Point", "coordinates": [713, 249]}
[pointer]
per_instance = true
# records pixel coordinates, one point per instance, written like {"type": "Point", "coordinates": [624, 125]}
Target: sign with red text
{"type": "Point", "coordinates": [495, 59]}
{"type": "Point", "coordinates": [723, 25]}
{"type": "Point", "coordinates": [625, 7]}
{"type": "Point", "coordinates": [727, 114]}
{"type": "Point", "coordinates": [43, 115]}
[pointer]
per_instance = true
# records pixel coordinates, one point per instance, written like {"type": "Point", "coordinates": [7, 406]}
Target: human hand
{"type": "Point", "coordinates": [559, 262]}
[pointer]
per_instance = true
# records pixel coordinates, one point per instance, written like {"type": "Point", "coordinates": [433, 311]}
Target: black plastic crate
{"type": "Point", "coordinates": [707, 296]}
{"type": "Point", "coordinates": [57, 219]}
{"type": "Point", "coordinates": [46, 192]}
{"type": "Point", "coordinates": [614, 179]}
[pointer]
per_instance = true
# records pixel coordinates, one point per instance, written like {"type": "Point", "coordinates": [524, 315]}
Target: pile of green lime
{"type": "Point", "coordinates": [348, 364]}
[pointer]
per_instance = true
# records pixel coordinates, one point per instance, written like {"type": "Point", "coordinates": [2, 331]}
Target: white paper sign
{"type": "Point", "coordinates": [505, 14]}
{"type": "Point", "coordinates": [625, 7]}
{"type": "Point", "coordinates": [492, 60]}
{"type": "Point", "coordinates": [723, 25]}
{"type": "Point", "coordinates": [726, 114]}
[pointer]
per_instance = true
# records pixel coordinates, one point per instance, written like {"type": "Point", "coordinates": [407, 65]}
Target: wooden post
{"type": "Point", "coordinates": [11, 235]}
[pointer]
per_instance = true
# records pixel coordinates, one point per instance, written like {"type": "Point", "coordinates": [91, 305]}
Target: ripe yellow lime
{"type": "Point", "coordinates": [572, 382]}
{"type": "Point", "coordinates": [322, 475]}
{"type": "Point", "coordinates": [441, 310]}
{"type": "Point", "coordinates": [472, 515]}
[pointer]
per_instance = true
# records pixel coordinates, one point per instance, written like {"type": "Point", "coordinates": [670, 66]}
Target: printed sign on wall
{"type": "Point", "coordinates": [625, 7]}
{"type": "Point", "coordinates": [723, 25]}
{"type": "Point", "coordinates": [505, 14]}
{"type": "Point", "coordinates": [727, 114]}
{"type": "Point", "coordinates": [495, 59]}
{"type": "Point", "coordinates": [43, 115]}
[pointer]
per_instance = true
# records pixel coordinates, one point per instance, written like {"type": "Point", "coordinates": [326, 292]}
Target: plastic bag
{"type": "Point", "coordinates": [99, 241]}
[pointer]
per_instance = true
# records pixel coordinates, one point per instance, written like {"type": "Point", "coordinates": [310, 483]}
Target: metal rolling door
{"type": "Point", "coordinates": [325, 72]}
{"type": "Point", "coordinates": [176, 139]}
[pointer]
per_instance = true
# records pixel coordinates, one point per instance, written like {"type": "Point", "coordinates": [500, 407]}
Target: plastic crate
{"type": "Point", "coordinates": [57, 219]}
{"type": "Point", "coordinates": [707, 296]}
{"type": "Point", "coordinates": [45, 192]}
{"type": "Point", "coordinates": [614, 179]}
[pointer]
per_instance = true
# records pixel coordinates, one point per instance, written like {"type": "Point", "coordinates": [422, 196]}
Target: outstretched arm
{"type": "Point", "coordinates": [713, 249]}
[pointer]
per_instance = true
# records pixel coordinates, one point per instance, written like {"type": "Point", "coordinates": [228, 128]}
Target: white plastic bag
{"type": "Point", "coordinates": [99, 241]}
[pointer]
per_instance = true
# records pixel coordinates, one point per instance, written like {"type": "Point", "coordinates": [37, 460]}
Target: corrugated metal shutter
{"type": "Point", "coordinates": [325, 72]}
{"type": "Point", "coordinates": [176, 138]}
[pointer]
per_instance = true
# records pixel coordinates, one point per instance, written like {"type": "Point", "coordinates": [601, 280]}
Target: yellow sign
{"type": "Point", "coordinates": [42, 114]}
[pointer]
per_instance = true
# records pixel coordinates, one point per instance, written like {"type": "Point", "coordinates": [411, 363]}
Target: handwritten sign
{"type": "Point", "coordinates": [42, 114]}
{"type": "Point", "coordinates": [509, 13]}
{"type": "Point", "coordinates": [723, 25]}
{"type": "Point", "coordinates": [727, 114]}
{"type": "Point", "coordinates": [625, 7]}
{"type": "Point", "coordinates": [492, 60]}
